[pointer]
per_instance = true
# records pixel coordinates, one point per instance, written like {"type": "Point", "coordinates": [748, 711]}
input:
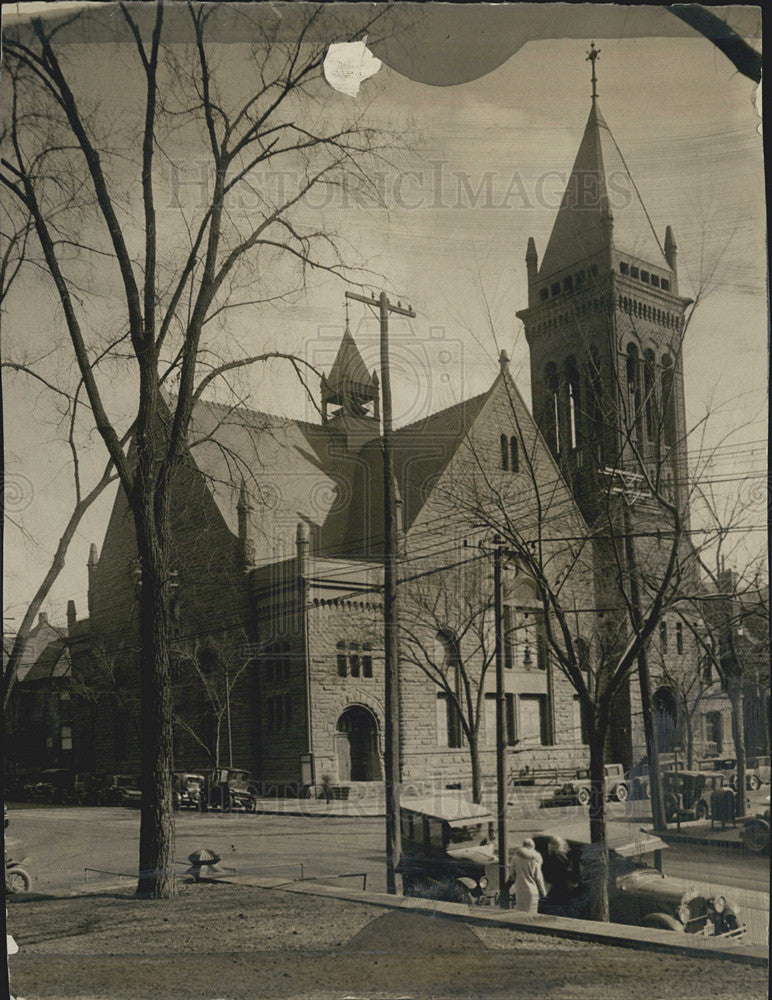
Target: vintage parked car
{"type": "Point", "coordinates": [579, 788]}
{"type": "Point", "coordinates": [638, 894]}
{"type": "Point", "coordinates": [228, 788]}
{"type": "Point", "coordinates": [448, 849]}
{"type": "Point", "coordinates": [187, 789]}
{"type": "Point", "coordinates": [728, 765]}
{"type": "Point", "coordinates": [59, 786]}
{"type": "Point", "coordinates": [688, 794]}
{"type": "Point", "coordinates": [756, 832]}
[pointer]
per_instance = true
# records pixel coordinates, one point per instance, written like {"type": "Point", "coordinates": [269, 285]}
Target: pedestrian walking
{"type": "Point", "coordinates": [527, 877]}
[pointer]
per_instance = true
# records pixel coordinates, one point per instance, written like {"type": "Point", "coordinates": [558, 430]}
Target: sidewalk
{"type": "Point", "coordinates": [619, 935]}
{"type": "Point", "coordinates": [341, 808]}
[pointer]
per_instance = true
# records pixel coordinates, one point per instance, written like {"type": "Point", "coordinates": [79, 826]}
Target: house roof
{"type": "Point", "coordinates": [54, 661]}
{"type": "Point", "coordinates": [600, 189]}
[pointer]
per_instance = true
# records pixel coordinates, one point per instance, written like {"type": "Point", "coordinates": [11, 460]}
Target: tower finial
{"type": "Point", "coordinates": [592, 55]}
{"type": "Point", "coordinates": [346, 304]}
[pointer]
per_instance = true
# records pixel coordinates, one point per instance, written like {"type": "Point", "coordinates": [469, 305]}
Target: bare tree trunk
{"type": "Point", "coordinates": [600, 901]}
{"type": "Point", "coordinates": [689, 733]}
{"type": "Point", "coordinates": [156, 835]}
{"type": "Point", "coordinates": [474, 754]}
{"type": "Point", "coordinates": [735, 691]}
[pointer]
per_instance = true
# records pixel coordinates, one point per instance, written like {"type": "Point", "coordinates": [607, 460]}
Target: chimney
{"type": "Point", "coordinates": [246, 544]}
{"type": "Point", "coordinates": [531, 266]}
{"type": "Point", "coordinates": [71, 616]}
{"type": "Point", "coordinates": [92, 562]}
{"type": "Point", "coordinates": [671, 255]}
{"type": "Point", "coordinates": [42, 618]}
{"type": "Point", "coordinates": [504, 362]}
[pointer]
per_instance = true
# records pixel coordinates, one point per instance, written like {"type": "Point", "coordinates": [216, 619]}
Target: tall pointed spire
{"type": "Point", "coordinates": [601, 210]}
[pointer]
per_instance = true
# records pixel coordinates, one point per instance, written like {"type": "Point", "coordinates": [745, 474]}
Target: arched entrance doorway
{"type": "Point", "coordinates": [356, 741]}
{"type": "Point", "coordinates": [666, 721]}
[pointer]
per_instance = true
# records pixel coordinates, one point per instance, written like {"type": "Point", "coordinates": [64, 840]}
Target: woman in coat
{"type": "Point", "coordinates": [528, 878]}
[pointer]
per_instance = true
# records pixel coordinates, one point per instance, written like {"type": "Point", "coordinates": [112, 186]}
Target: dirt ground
{"type": "Point", "coordinates": [220, 942]}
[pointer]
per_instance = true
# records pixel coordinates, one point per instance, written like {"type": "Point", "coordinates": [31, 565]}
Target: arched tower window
{"type": "Point", "coordinates": [650, 403]}
{"type": "Point", "coordinates": [514, 456]}
{"type": "Point", "coordinates": [504, 452]}
{"type": "Point", "coordinates": [552, 422]}
{"type": "Point", "coordinates": [668, 401]}
{"type": "Point", "coordinates": [593, 404]}
{"type": "Point", "coordinates": [572, 389]}
{"type": "Point", "coordinates": [633, 392]}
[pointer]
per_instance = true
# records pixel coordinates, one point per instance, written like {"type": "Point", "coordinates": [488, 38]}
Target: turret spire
{"type": "Point", "coordinates": [592, 55]}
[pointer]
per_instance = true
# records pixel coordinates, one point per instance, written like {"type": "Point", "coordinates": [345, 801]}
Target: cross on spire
{"type": "Point", "coordinates": [592, 55]}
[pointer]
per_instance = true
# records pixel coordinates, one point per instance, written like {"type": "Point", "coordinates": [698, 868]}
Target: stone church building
{"type": "Point", "coordinates": [278, 536]}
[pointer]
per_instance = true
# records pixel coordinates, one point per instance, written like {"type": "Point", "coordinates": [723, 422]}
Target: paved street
{"type": "Point", "coordinates": [63, 841]}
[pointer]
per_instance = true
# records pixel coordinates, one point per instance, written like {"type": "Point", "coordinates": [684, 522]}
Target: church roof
{"type": "Point", "coordinates": [600, 188]}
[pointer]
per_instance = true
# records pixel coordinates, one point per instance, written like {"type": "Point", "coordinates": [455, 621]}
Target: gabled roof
{"type": "Point", "coordinates": [599, 189]}
{"type": "Point", "coordinates": [54, 661]}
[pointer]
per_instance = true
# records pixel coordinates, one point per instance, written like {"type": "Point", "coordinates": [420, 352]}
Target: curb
{"type": "Point", "coordinates": [618, 935]}
{"type": "Point", "coordinates": [681, 837]}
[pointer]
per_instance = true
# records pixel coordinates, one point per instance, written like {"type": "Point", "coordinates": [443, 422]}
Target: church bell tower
{"type": "Point", "coordinates": [604, 325]}
{"type": "Point", "coordinates": [354, 394]}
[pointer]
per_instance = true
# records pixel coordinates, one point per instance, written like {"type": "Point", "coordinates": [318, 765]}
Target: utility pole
{"type": "Point", "coordinates": [501, 742]}
{"type": "Point", "coordinates": [392, 746]}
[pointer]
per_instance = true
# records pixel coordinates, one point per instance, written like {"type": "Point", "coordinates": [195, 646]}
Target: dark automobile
{"type": "Point", "coordinates": [638, 894]}
{"type": "Point", "coordinates": [447, 849]}
{"type": "Point", "coordinates": [688, 794]}
{"type": "Point", "coordinates": [187, 789]}
{"type": "Point", "coordinates": [756, 832]}
{"type": "Point", "coordinates": [228, 788]}
{"type": "Point", "coordinates": [578, 789]}
{"type": "Point", "coordinates": [728, 765]}
{"type": "Point", "coordinates": [60, 786]}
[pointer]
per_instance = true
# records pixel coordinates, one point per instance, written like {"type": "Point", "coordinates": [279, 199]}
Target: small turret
{"type": "Point", "coordinates": [354, 392]}
{"type": "Point", "coordinates": [301, 548]}
{"type": "Point", "coordinates": [246, 544]}
{"type": "Point", "coordinates": [91, 564]}
{"type": "Point", "coordinates": [671, 256]}
{"type": "Point", "coordinates": [531, 267]}
{"type": "Point", "coordinates": [504, 362]}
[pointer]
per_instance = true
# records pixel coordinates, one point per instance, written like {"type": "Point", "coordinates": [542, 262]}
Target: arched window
{"type": "Point", "coordinates": [447, 659]}
{"type": "Point", "coordinates": [649, 395]}
{"type": "Point", "coordinates": [572, 389]}
{"type": "Point", "coordinates": [679, 638]}
{"type": "Point", "coordinates": [668, 401]}
{"type": "Point", "coordinates": [633, 392]}
{"type": "Point", "coordinates": [663, 636]}
{"type": "Point", "coordinates": [552, 415]}
{"type": "Point", "coordinates": [514, 457]}
{"type": "Point", "coordinates": [504, 453]}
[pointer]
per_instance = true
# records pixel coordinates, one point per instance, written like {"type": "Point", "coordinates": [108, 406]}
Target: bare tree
{"type": "Point", "coordinates": [448, 631]}
{"type": "Point", "coordinates": [171, 274]}
{"type": "Point", "coordinates": [210, 667]}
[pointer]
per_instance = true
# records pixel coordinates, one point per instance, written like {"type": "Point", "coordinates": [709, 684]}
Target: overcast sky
{"type": "Point", "coordinates": [686, 124]}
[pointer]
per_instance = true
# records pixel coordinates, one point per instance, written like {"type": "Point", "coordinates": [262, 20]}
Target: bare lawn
{"type": "Point", "coordinates": [222, 942]}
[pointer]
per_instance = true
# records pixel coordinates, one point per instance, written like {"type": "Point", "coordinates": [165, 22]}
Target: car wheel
{"type": "Point", "coordinates": [583, 796]}
{"type": "Point", "coordinates": [662, 921]}
{"type": "Point", "coordinates": [620, 793]}
{"type": "Point", "coordinates": [701, 810]}
{"type": "Point", "coordinates": [250, 805]}
{"type": "Point", "coordinates": [17, 880]}
{"type": "Point", "coordinates": [671, 807]}
{"type": "Point", "coordinates": [756, 837]}
{"type": "Point", "coordinates": [754, 782]}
